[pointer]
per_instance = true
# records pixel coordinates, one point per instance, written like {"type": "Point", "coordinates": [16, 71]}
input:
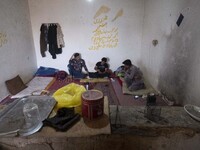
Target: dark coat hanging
{"type": "Point", "coordinates": [52, 39]}
{"type": "Point", "coordinates": [43, 39]}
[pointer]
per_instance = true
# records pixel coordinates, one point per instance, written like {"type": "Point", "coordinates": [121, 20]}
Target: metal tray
{"type": "Point", "coordinates": [12, 119]}
{"type": "Point", "coordinates": [193, 111]}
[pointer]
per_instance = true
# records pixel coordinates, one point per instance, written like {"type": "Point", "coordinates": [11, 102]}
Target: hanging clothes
{"type": "Point", "coordinates": [51, 34]}
{"type": "Point", "coordinates": [60, 37]}
{"type": "Point", "coordinates": [52, 38]}
{"type": "Point", "coordinates": [43, 39]}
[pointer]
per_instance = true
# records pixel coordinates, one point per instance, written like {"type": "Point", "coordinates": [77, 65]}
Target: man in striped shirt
{"type": "Point", "coordinates": [75, 66]}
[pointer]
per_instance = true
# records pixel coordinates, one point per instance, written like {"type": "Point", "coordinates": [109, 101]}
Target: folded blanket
{"type": "Point", "coordinates": [147, 90]}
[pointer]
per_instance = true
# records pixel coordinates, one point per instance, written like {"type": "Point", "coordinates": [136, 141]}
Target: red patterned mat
{"type": "Point", "coordinates": [112, 90]}
{"type": "Point", "coordinates": [56, 84]}
{"type": "Point", "coordinates": [7, 100]}
{"type": "Point", "coordinates": [105, 87]}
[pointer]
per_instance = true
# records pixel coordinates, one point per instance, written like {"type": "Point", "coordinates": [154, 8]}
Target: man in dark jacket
{"type": "Point", "coordinates": [102, 68]}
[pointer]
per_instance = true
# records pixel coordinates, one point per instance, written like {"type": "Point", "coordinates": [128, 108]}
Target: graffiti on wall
{"type": "Point", "coordinates": [3, 39]}
{"type": "Point", "coordinates": [105, 35]}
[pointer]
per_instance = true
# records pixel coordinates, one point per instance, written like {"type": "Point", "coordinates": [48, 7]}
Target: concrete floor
{"type": "Point", "coordinates": [174, 130]}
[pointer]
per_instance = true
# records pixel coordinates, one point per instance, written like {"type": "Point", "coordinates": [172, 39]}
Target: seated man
{"type": "Point", "coordinates": [102, 68]}
{"type": "Point", "coordinates": [133, 76]}
{"type": "Point", "coordinates": [75, 66]}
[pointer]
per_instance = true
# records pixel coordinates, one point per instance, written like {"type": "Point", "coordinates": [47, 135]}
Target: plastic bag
{"type": "Point", "coordinates": [69, 96]}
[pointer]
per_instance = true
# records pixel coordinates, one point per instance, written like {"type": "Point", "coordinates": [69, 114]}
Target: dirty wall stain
{"type": "Point", "coordinates": [3, 39]}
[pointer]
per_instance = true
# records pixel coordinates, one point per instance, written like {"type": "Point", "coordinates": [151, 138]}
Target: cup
{"type": "Point", "coordinates": [31, 115]}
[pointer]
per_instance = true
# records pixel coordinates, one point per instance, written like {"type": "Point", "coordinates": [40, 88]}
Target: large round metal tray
{"type": "Point", "coordinates": [12, 121]}
{"type": "Point", "coordinates": [193, 111]}
{"type": "Point", "coordinates": [28, 131]}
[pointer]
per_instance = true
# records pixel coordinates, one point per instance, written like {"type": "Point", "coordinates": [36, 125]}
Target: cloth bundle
{"type": "Point", "coordinates": [63, 120]}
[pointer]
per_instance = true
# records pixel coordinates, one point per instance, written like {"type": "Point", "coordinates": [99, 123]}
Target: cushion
{"type": "Point", "coordinates": [46, 72]}
{"type": "Point", "coordinates": [146, 91]}
{"type": "Point", "coordinates": [15, 85]}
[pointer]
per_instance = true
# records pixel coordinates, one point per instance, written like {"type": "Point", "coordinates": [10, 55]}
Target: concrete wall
{"type": "Point", "coordinates": [16, 43]}
{"type": "Point", "coordinates": [76, 18]}
{"type": "Point", "coordinates": [173, 65]}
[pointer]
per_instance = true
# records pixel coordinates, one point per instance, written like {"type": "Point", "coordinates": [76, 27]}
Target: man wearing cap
{"type": "Point", "coordinates": [133, 76]}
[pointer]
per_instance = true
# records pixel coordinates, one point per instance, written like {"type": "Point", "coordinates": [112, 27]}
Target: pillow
{"type": "Point", "coordinates": [15, 85]}
{"type": "Point", "coordinates": [46, 72]}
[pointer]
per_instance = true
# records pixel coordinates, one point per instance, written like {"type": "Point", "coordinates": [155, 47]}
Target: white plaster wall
{"type": "Point", "coordinates": [76, 20]}
{"type": "Point", "coordinates": [16, 46]}
{"type": "Point", "coordinates": [173, 65]}
{"type": "Point", "coordinates": [159, 21]}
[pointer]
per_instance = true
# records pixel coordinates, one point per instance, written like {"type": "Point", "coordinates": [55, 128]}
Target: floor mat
{"type": "Point", "coordinates": [105, 87]}
{"type": "Point", "coordinates": [147, 90]}
{"type": "Point", "coordinates": [7, 100]}
{"type": "Point", "coordinates": [108, 91]}
{"type": "Point", "coordinates": [57, 84]}
{"type": "Point", "coordinates": [129, 100]}
{"type": "Point", "coordinates": [111, 89]}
